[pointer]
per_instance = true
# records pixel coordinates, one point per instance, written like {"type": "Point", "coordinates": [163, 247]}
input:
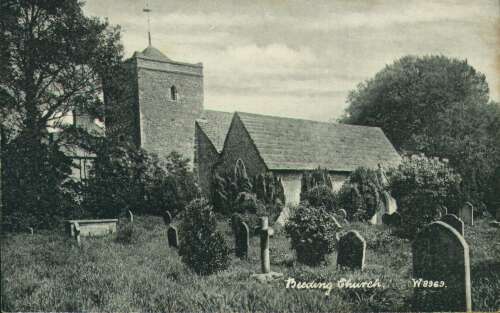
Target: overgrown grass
{"type": "Point", "coordinates": [48, 272]}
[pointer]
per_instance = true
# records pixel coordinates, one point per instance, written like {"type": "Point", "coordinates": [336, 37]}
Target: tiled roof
{"type": "Point", "coordinates": [296, 144]}
{"type": "Point", "coordinates": [215, 124]}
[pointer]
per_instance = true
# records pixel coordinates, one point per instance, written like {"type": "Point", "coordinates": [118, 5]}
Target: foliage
{"type": "Point", "coordinates": [43, 205]}
{"type": "Point", "coordinates": [437, 106]}
{"type": "Point", "coordinates": [321, 196]}
{"type": "Point", "coordinates": [361, 195]}
{"type": "Point", "coordinates": [421, 186]}
{"type": "Point", "coordinates": [234, 191]}
{"type": "Point", "coordinates": [202, 247]}
{"type": "Point", "coordinates": [312, 232]}
{"type": "Point", "coordinates": [126, 233]}
{"type": "Point", "coordinates": [53, 61]}
{"type": "Point", "coordinates": [493, 193]}
{"type": "Point", "coordinates": [311, 179]}
{"type": "Point", "coordinates": [126, 178]}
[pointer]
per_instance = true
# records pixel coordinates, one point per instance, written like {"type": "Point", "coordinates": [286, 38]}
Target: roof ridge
{"type": "Point", "coordinates": [303, 119]}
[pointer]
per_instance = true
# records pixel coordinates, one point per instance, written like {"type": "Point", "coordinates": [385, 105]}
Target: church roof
{"type": "Point", "coordinates": [297, 144]}
{"type": "Point", "coordinates": [152, 53]}
{"type": "Point", "coordinates": [215, 124]}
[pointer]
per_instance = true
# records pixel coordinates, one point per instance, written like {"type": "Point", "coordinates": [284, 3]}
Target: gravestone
{"type": "Point", "coordinates": [466, 214]}
{"type": "Point", "coordinates": [455, 222]}
{"type": "Point", "coordinates": [130, 216]}
{"type": "Point", "coordinates": [264, 245]}
{"type": "Point", "coordinates": [351, 250]}
{"type": "Point", "coordinates": [337, 224]}
{"type": "Point", "coordinates": [343, 214]}
{"type": "Point", "coordinates": [440, 254]}
{"type": "Point", "coordinates": [30, 229]}
{"type": "Point", "coordinates": [173, 240]}
{"type": "Point", "coordinates": [444, 210]}
{"type": "Point", "coordinates": [242, 240]}
{"type": "Point", "coordinates": [167, 217]}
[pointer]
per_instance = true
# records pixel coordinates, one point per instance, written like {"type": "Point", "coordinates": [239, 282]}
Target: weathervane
{"type": "Point", "coordinates": [147, 10]}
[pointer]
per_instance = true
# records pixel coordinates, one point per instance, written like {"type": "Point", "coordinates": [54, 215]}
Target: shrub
{"type": "Point", "coordinates": [202, 247]}
{"type": "Point", "coordinates": [126, 178]}
{"type": "Point", "coordinates": [421, 185]}
{"type": "Point", "coordinates": [312, 233]}
{"type": "Point", "coordinates": [361, 194]}
{"type": "Point", "coordinates": [321, 196]}
{"type": "Point", "coordinates": [311, 179]}
{"type": "Point", "coordinates": [126, 233]}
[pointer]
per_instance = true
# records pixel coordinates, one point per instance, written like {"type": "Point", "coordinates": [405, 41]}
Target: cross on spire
{"type": "Point", "coordinates": [148, 10]}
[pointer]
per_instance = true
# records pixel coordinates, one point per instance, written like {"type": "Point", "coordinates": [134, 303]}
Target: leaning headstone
{"type": "Point", "coordinates": [455, 222]}
{"type": "Point", "coordinates": [242, 240]}
{"type": "Point", "coordinates": [173, 240]}
{"type": "Point", "coordinates": [77, 233]}
{"type": "Point", "coordinates": [351, 250]}
{"type": "Point", "coordinates": [466, 214]}
{"type": "Point", "coordinates": [130, 216]}
{"type": "Point", "coordinates": [441, 258]}
{"type": "Point", "coordinates": [167, 217]}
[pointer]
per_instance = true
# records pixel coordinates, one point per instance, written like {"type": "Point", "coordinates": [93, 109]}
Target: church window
{"type": "Point", "coordinates": [173, 93]}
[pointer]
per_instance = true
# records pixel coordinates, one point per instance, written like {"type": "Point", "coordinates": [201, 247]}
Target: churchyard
{"type": "Point", "coordinates": [49, 271]}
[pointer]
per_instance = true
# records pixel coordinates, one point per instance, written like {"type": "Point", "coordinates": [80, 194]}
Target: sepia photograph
{"type": "Point", "coordinates": [250, 156]}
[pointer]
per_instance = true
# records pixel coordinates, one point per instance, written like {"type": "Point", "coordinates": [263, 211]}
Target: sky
{"type": "Point", "coordinates": [301, 58]}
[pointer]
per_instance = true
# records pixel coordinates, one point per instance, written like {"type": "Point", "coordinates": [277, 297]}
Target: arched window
{"type": "Point", "coordinates": [173, 93]}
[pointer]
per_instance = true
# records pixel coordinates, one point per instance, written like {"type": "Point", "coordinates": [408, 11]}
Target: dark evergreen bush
{"type": "Point", "coordinates": [202, 247]}
{"type": "Point", "coordinates": [421, 186]}
{"type": "Point", "coordinates": [312, 232]}
{"type": "Point", "coordinates": [311, 179]}
{"type": "Point", "coordinates": [361, 195]}
{"type": "Point", "coordinates": [321, 196]}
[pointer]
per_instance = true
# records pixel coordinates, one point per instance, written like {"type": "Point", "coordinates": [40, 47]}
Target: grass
{"type": "Point", "coordinates": [48, 272]}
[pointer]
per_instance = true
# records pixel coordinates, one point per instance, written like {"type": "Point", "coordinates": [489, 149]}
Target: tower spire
{"type": "Point", "coordinates": [148, 10]}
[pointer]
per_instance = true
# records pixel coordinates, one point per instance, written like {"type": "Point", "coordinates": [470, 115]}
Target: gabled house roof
{"type": "Point", "coordinates": [297, 144]}
{"type": "Point", "coordinates": [215, 124]}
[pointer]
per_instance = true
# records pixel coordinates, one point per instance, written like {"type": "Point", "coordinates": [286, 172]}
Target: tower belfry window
{"type": "Point", "coordinates": [173, 93]}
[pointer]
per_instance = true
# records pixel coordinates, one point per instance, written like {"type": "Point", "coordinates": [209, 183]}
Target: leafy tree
{"type": "Point", "coordinates": [126, 178]}
{"type": "Point", "coordinates": [53, 60]}
{"type": "Point", "coordinates": [437, 106]}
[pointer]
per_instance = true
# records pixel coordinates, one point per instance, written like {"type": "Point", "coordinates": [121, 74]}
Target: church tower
{"type": "Point", "coordinates": [159, 106]}
{"type": "Point", "coordinates": [165, 98]}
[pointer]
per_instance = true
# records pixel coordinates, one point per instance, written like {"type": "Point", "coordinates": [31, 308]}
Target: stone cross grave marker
{"type": "Point", "coordinates": [441, 256]}
{"type": "Point", "coordinates": [264, 245]}
{"type": "Point", "coordinates": [351, 250]}
{"type": "Point", "coordinates": [455, 222]}
{"type": "Point", "coordinates": [173, 240]}
{"type": "Point", "coordinates": [242, 240]}
{"type": "Point", "coordinates": [167, 217]}
{"type": "Point", "coordinates": [466, 214]}
{"type": "Point", "coordinates": [130, 216]}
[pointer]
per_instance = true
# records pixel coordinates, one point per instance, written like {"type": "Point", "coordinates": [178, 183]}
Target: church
{"type": "Point", "coordinates": [165, 112]}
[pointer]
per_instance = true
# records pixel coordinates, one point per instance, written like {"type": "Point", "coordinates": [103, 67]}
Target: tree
{"type": "Point", "coordinates": [53, 61]}
{"type": "Point", "coordinates": [124, 178]}
{"type": "Point", "coordinates": [437, 106]}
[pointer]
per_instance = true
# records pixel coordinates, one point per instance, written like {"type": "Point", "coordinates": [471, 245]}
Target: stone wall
{"type": "Point", "coordinates": [206, 157]}
{"type": "Point", "coordinates": [167, 124]}
{"type": "Point", "coordinates": [239, 145]}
